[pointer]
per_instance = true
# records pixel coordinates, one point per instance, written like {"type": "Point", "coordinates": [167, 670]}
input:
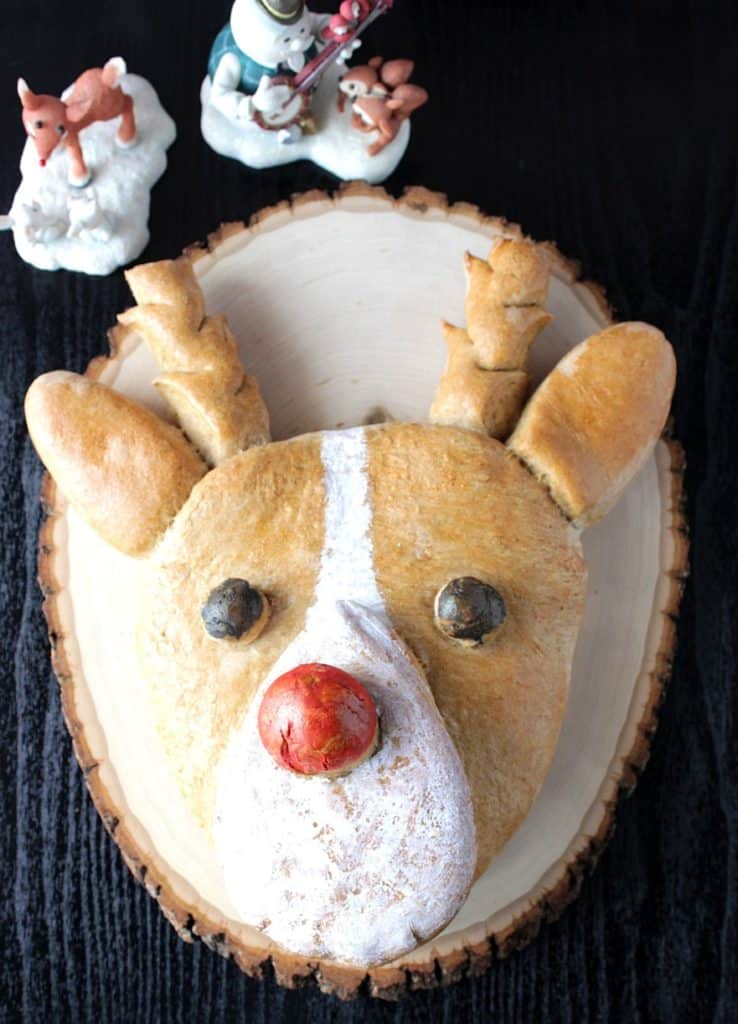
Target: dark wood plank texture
{"type": "Point", "coordinates": [609, 127]}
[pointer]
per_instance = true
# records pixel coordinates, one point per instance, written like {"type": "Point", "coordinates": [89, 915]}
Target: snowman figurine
{"type": "Point", "coordinates": [252, 106]}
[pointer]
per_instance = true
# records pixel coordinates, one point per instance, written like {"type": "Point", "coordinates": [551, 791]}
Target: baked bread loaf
{"type": "Point", "coordinates": [439, 568]}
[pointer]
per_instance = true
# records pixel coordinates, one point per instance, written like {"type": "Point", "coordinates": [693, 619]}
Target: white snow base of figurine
{"type": "Point", "coordinates": [104, 225]}
{"type": "Point", "coordinates": [335, 146]}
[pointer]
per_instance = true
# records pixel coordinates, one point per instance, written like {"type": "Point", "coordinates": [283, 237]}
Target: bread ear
{"type": "Point", "coordinates": [594, 421]}
{"type": "Point", "coordinates": [125, 471]}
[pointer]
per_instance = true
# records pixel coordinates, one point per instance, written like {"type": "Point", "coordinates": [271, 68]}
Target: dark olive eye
{"type": "Point", "coordinates": [235, 610]}
{"type": "Point", "coordinates": [60, 129]}
{"type": "Point", "coordinates": [469, 610]}
{"type": "Point", "coordinates": [38, 124]}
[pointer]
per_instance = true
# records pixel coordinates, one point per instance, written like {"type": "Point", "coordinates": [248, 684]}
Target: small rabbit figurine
{"type": "Point", "coordinates": [38, 222]}
{"type": "Point", "coordinates": [86, 218]}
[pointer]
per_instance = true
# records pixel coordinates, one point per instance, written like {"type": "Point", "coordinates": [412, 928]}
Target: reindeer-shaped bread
{"type": "Point", "coordinates": [358, 643]}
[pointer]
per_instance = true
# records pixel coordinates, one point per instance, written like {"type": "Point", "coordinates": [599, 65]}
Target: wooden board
{"type": "Point", "coordinates": [336, 304]}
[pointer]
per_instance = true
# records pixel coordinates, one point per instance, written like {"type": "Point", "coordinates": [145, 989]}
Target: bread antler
{"type": "Point", "coordinates": [216, 403]}
{"type": "Point", "coordinates": [484, 385]}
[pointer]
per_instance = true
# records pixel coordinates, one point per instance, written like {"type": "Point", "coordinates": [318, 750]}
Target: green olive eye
{"type": "Point", "coordinates": [235, 610]}
{"type": "Point", "coordinates": [469, 610]}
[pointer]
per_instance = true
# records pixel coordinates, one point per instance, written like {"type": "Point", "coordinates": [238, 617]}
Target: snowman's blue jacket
{"type": "Point", "coordinates": [251, 70]}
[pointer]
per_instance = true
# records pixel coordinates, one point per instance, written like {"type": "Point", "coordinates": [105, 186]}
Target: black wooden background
{"type": "Point", "coordinates": [610, 127]}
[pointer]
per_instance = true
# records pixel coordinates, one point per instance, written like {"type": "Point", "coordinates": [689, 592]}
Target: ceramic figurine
{"type": "Point", "coordinates": [366, 80]}
{"type": "Point", "coordinates": [381, 99]}
{"type": "Point", "coordinates": [273, 79]}
{"type": "Point", "coordinates": [340, 25]}
{"type": "Point", "coordinates": [95, 96]}
{"type": "Point", "coordinates": [110, 128]}
{"type": "Point", "coordinates": [87, 219]}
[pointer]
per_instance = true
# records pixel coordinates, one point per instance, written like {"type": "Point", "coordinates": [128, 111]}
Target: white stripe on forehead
{"type": "Point", "coordinates": [347, 562]}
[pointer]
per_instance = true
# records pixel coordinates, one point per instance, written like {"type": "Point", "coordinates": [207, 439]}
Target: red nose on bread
{"type": "Point", "coordinates": [318, 720]}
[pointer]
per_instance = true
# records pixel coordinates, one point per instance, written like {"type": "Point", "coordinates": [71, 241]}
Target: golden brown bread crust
{"type": "Point", "coordinates": [445, 503]}
{"type": "Point", "coordinates": [488, 401]}
{"type": "Point", "coordinates": [259, 517]}
{"type": "Point", "coordinates": [477, 946]}
{"type": "Point", "coordinates": [218, 406]}
{"type": "Point", "coordinates": [504, 303]}
{"type": "Point", "coordinates": [125, 471]}
{"type": "Point", "coordinates": [494, 827]}
{"type": "Point", "coordinates": [218, 428]}
{"type": "Point", "coordinates": [484, 384]}
{"type": "Point", "coordinates": [594, 421]}
{"type": "Point", "coordinates": [449, 503]}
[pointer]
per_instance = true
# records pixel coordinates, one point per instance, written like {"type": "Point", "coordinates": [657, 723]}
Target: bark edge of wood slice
{"type": "Point", "coordinates": [473, 949]}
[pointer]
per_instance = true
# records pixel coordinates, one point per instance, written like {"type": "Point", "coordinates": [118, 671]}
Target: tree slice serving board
{"type": "Point", "coordinates": [336, 304]}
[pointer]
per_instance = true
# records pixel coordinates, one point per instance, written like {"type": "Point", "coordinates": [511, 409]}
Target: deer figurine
{"type": "Point", "coordinates": [95, 96]}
